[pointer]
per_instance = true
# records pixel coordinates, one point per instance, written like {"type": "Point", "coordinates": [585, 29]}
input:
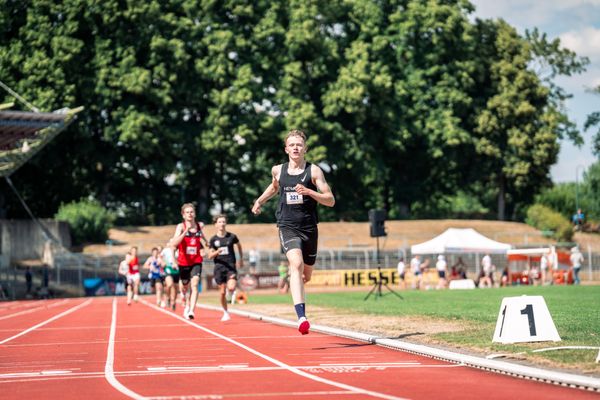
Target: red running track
{"type": "Point", "coordinates": [101, 348]}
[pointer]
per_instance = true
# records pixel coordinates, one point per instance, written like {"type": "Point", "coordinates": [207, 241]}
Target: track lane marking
{"type": "Point", "coordinates": [62, 314]}
{"type": "Point", "coordinates": [30, 310]}
{"type": "Point", "coordinates": [109, 372]}
{"type": "Point", "coordinates": [281, 364]}
{"type": "Point", "coordinates": [36, 375]}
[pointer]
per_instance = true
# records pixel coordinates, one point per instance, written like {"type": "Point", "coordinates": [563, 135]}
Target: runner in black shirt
{"type": "Point", "coordinates": [300, 186]}
{"type": "Point", "coordinates": [222, 252]}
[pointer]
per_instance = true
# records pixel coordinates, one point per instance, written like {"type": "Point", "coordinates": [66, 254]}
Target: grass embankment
{"type": "Point", "coordinates": [574, 309]}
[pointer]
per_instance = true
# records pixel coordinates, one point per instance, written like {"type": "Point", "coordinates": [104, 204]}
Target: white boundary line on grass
{"type": "Point", "coordinates": [522, 371]}
{"type": "Point", "coordinates": [281, 364]}
{"type": "Point", "coordinates": [62, 314]}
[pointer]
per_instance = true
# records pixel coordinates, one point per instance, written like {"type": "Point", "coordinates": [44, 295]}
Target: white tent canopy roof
{"type": "Point", "coordinates": [455, 240]}
{"type": "Point", "coordinates": [530, 252]}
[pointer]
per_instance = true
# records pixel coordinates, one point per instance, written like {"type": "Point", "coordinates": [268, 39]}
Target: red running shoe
{"type": "Point", "coordinates": [303, 326]}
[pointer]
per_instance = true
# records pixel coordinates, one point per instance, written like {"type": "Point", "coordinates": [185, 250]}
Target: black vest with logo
{"type": "Point", "coordinates": [295, 210]}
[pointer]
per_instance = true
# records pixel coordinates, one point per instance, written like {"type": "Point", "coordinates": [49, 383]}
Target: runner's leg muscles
{"type": "Point", "coordinates": [222, 288]}
{"type": "Point", "coordinates": [194, 296]}
{"type": "Point", "coordinates": [296, 268]}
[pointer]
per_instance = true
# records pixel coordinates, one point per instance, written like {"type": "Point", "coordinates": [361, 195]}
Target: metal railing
{"type": "Point", "coordinates": [71, 269]}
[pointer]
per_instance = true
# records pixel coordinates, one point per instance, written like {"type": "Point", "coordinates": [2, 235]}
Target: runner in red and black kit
{"type": "Point", "coordinates": [187, 239]}
{"type": "Point", "coordinates": [301, 186]}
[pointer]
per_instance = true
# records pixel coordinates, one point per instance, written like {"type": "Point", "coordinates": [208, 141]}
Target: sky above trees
{"type": "Point", "coordinates": [577, 24]}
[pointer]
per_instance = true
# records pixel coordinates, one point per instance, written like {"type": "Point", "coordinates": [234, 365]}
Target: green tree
{"type": "Point", "coordinates": [409, 105]}
{"type": "Point", "coordinates": [593, 120]}
{"type": "Point", "coordinates": [518, 118]}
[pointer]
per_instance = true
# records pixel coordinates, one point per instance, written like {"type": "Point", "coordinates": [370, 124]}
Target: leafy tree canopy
{"type": "Point", "coordinates": [409, 105]}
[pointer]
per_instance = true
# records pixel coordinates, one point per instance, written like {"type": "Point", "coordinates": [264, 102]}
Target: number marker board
{"type": "Point", "coordinates": [524, 319]}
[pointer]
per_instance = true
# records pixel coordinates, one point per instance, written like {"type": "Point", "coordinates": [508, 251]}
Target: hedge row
{"type": "Point", "coordinates": [546, 219]}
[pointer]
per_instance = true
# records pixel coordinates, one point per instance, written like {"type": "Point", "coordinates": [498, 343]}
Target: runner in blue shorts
{"type": "Point", "coordinates": [156, 267]}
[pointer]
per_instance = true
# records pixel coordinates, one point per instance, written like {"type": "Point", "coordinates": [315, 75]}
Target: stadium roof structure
{"type": "Point", "coordinates": [23, 134]}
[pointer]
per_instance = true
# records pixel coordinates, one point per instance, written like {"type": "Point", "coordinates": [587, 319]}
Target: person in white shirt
{"type": "Point", "coordinates": [415, 267]}
{"type": "Point", "coordinates": [487, 278]}
{"type": "Point", "coordinates": [442, 269]}
{"type": "Point", "coordinates": [544, 268]}
{"type": "Point", "coordinates": [576, 261]}
{"type": "Point", "coordinates": [402, 272]}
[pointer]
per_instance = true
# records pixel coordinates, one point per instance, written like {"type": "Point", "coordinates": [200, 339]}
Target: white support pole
{"type": "Point", "coordinates": [590, 273]}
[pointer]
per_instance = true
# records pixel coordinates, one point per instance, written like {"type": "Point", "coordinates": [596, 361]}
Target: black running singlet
{"type": "Point", "coordinates": [295, 210]}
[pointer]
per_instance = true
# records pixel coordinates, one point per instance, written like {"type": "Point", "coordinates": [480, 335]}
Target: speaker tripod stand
{"type": "Point", "coordinates": [376, 289]}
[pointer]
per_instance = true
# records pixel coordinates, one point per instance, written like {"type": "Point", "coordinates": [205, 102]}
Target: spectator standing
{"type": "Point", "coordinates": [253, 256]}
{"type": "Point", "coordinates": [415, 268]}
{"type": "Point", "coordinates": [576, 261]}
{"type": "Point", "coordinates": [442, 269]}
{"type": "Point", "coordinates": [552, 263]}
{"type": "Point", "coordinates": [544, 268]}
{"type": "Point", "coordinates": [578, 220]}
{"type": "Point", "coordinates": [487, 278]}
{"type": "Point", "coordinates": [402, 273]}
{"type": "Point", "coordinates": [28, 280]}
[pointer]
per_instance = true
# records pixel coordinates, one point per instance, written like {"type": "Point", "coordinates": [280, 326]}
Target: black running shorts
{"type": "Point", "coordinates": [186, 273]}
{"type": "Point", "coordinates": [223, 273]}
{"type": "Point", "coordinates": [303, 239]}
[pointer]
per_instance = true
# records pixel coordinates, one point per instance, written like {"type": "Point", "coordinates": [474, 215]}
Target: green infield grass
{"type": "Point", "coordinates": [574, 309]}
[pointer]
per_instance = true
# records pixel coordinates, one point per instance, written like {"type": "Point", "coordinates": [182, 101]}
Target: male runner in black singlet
{"type": "Point", "coordinates": [301, 185]}
{"type": "Point", "coordinates": [222, 252]}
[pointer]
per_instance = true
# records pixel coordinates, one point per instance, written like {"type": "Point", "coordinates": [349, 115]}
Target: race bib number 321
{"type": "Point", "coordinates": [293, 198]}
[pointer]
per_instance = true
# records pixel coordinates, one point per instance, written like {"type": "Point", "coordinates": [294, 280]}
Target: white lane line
{"type": "Point", "coordinates": [383, 364]}
{"type": "Point", "coordinates": [283, 365]}
{"type": "Point", "coordinates": [158, 371]}
{"type": "Point", "coordinates": [254, 395]}
{"type": "Point", "coordinates": [567, 348]}
{"type": "Point", "coordinates": [31, 310]}
{"type": "Point", "coordinates": [109, 372]}
{"type": "Point", "coordinates": [62, 314]}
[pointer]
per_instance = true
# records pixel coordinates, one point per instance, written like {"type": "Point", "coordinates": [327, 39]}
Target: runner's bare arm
{"type": "Point", "coordinates": [203, 237]}
{"type": "Point", "coordinates": [240, 261]}
{"type": "Point", "coordinates": [269, 192]}
{"type": "Point", "coordinates": [178, 236]}
{"type": "Point", "coordinates": [212, 253]}
{"type": "Point", "coordinates": [324, 195]}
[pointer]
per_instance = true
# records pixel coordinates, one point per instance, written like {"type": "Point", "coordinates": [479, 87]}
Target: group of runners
{"type": "Point", "coordinates": [300, 186]}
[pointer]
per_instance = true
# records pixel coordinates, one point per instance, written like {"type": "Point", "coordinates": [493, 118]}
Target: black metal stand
{"type": "Point", "coordinates": [377, 286]}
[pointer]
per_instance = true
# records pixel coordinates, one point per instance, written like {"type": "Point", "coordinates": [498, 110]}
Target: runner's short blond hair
{"type": "Point", "coordinates": [295, 132]}
{"type": "Point", "coordinates": [186, 205]}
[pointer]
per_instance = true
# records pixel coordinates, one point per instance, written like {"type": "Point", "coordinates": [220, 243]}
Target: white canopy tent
{"type": "Point", "coordinates": [455, 240]}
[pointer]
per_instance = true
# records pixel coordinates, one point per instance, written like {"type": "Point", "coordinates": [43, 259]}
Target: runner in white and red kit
{"type": "Point", "coordinates": [133, 275]}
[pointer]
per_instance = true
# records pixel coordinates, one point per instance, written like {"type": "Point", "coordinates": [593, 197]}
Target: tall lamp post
{"type": "Point", "coordinates": [577, 186]}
